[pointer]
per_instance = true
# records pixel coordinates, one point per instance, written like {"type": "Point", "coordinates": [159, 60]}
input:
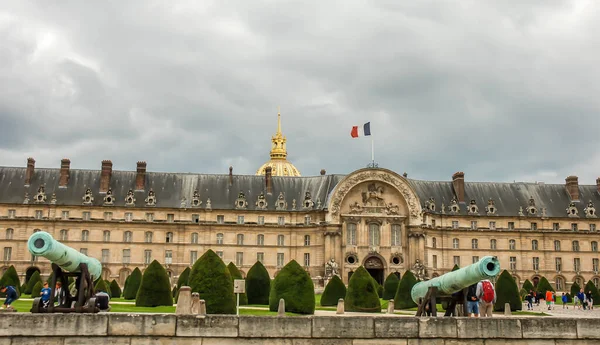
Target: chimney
{"type": "Point", "coordinates": [105, 176]}
{"type": "Point", "coordinates": [65, 166]}
{"type": "Point", "coordinates": [30, 169]}
{"type": "Point", "coordinates": [268, 180]}
{"type": "Point", "coordinates": [572, 185]}
{"type": "Point", "coordinates": [323, 172]}
{"type": "Point", "coordinates": [598, 184]}
{"type": "Point", "coordinates": [140, 179]}
{"type": "Point", "coordinates": [458, 182]}
{"type": "Point", "coordinates": [230, 175]}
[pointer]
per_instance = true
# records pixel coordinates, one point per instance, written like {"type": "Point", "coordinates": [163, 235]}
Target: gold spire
{"type": "Point", "coordinates": [278, 150]}
{"type": "Point", "coordinates": [279, 164]}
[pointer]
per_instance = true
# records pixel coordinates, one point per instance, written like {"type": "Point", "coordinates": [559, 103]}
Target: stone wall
{"type": "Point", "coordinates": [150, 329]}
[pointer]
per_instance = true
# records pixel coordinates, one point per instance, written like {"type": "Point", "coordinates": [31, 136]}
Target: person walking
{"type": "Point", "coordinates": [487, 297]}
{"type": "Point", "coordinates": [529, 299]}
{"type": "Point", "coordinates": [565, 300]}
{"type": "Point", "coordinates": [581, 298]}
{"type": "Point", "coordinates": [472, 301]}
{"type": "Point", "coordinates": [549, 299]}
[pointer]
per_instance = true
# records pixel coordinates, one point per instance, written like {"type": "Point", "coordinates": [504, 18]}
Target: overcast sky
{"type": "Point", "coordinates": [502, 90]}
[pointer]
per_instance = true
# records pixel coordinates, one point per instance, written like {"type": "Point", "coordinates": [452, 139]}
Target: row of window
{"type": "Point", "coordinates": [512, 244]}
{"type": "Point", "coordinates": [374, 234]}
{"type": "Point", "coordinates": [511, 225]}
{"type": "Point", "coordinates": [148, 237]}
{"type": "Point", "coordinates": [149, 217]}
{"type": "Point", "coordinates": [168, 259]}
{"type": "Point", "coordinates": [535, 264]}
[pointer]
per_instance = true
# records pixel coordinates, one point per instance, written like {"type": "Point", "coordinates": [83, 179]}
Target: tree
{"type": "Point", "coordinates": [183, 278]}
{"type": "Point", "coordinates": [527, 285]}
{"type": "Point", "coordinates": [294, 285]}
{"type": "Point", "coordinates": [35, 277]}
{"type": "Point", "coordinates": [258, 284]}
{"type": "Point", "coordinates": [36, 289]}
{"type": "Point", "coordinates": [115, 290]}
{"type": "Point", "coordinates": [236, 274]}
{"type": "Point", "coordinates": [507, 291]}
{"type": "Point", "coordinates": [334, 290]}
{"type": "Point", "coordinates": [101, 286]}
{"type": "Point", "coordinates": [403, 299]}
{"type": "Point", "coordinates": [155, 288]}
{"type": "Point", "coordinates": [575, 289]}
{"type": "Point", "coordinates": [542, 287]}
{"type": "Point", "coordinates": [456, 267]}
{"type": "Point", "coordinates": [212, 280]}
{"type": "Point", "coordinates": [11, 278]}
{"type": "Point", "coordinates": [590, 286]}
{"type": "Point", "coordinates": [378, 287]}
{"type": "Point", "coordinates": [133, 284]}
{"type": "Point", "coordinates": [390, 286]}
{"type": "Point", "coordinates": [361, 295]}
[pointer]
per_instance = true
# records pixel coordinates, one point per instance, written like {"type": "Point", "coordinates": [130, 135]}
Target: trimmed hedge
{"type": "Point", "coordinates": [403, 300]}
{"type": "Point", "coordinates": [575, 289]}
{"type": "Point", "coordinates": [362, 293]}
{"type": "Point", "coordinates": [35, 277]}
{"type": "Point", "coordinates": [11, 278]}
{"type": "Point", "coordinates": [132, 284]}
{"type": "Point", "coordinates": [456, 267]}
{"type": "Point", "coordinates": [334, 290]}
{"type": "Point", "coordinates": [591, 287]}
{"type": "Point", "coordinates": [115, 290]}
{"type": "Point", "coordinates": [183, 278]}
{"type": "Point", "coordinates": [212, 280]}
{"type": "Point", "coordinates": [527, 285]}
{"type": "Point", "coordinates": [155, 288]}
{"type": "Point", "coordinates": [294, 285]}
{"type": "Point", "coordinates": [258, 284]}
{"type": "Point", "coordinates": [507, 291]}
{"type": "Point", "coordinates": [390, 286]}
{"type": "Point", "coordinates": [101, 286]}
{"type": "Point", "coordinates": [542, 287]}
{"type": "Point", "coordinates": [236, 274]}
{"type": "Point", "coordinates": [36, 289]}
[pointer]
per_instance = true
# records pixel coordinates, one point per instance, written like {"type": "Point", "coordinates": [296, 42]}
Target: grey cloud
{"type": "Point", "coordinates": [500, 90]}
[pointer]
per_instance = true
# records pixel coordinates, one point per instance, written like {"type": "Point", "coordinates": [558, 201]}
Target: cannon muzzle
{"type": "Point", "coordinates": [486, 268]}
{"type": "Point", "coordinates": [41, 243]}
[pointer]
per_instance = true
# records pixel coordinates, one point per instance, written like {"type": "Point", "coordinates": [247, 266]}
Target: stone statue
{"type": "Point", "coordinates": [331, 268]}
{"type": "Point", "coordinates": [195, 308]}
{"type": "Point", "coordinates": [419, 270]}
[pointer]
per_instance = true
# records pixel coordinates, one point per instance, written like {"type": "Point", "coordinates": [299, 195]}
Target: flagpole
{"type": "Point", "coordinates": [372, 151]}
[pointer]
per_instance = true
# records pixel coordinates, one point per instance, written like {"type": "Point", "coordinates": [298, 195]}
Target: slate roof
{"type": "Point", "coordinates": [171, 188]}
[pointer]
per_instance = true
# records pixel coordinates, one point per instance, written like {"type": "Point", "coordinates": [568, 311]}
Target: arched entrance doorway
{"type": "Point", "coordinates": [29, 272]}
{"type": "Point", "coordinates": [374, 265]}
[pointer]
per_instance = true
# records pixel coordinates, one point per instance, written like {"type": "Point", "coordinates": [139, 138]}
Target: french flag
{"type": "Point", "coordinates": [366, 130]}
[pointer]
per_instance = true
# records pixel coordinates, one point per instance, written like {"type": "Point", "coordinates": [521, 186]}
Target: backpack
{"type": "Point", "coordinates": [488, 291]}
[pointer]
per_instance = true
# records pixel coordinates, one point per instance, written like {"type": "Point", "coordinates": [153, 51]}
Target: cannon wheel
{"type": "Point", "coordinates": [37, 306]}
{"type": "Point", "coordinates": [92, 305]}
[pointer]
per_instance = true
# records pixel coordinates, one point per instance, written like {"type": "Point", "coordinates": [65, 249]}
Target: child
{"type": "Point", "coordinates": [45, 293]}
{"type": "Point", "coordinates": [564, 301]}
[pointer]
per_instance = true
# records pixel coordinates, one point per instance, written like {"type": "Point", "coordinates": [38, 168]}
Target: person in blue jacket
{"type": "Point", "coordinates": [11, 296]}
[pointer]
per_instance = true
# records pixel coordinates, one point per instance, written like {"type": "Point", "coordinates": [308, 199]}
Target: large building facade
{"type": "Point", "coordinates": [372, 217]}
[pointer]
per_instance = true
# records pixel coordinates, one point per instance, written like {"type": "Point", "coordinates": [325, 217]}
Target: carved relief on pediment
{"type": "Point", "coordinates": [373, 202]}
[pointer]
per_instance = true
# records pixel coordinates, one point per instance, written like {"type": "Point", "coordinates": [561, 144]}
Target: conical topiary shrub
{"type": "Point", "coordinates": [11, 278]}
{"type": "Point", "coordinates": [390, 286]}
{"type": "Point", "coordinates": [175, 292]}
{"type": "Point", "coordinates": [507, 291]}
{"type": "Point", "coordinates": [361, 295]}
{"type": "Point", "coordinates": [455, 268]}
{"type": "Point", "coordinates": [591, 287]}
{"type": "Point", "coordinates": [35, 277]}
{"type": "Point", "coordinates": [294, 285]}
{"type": "Point", "coordinates": [212, 280]}
{"type": "Point", "coordinates": [133, 284]}
{"type": "Point", "coordinates": [575, 289]}
{"type": "Point", "coordinates": [334, 290]}
{"type": "Point", "coordinates": [527, 285]}
{"type": "Point", "coordinates": [543, 286]}
{"type": "Point", "coordinates": [36, 290]}
{"type": "Point", "coordinates": [101, 286]}
{"type": "Point", "coordinates": [403, 299]}
{"type": "Point", "coordinates": [115, 290]}
{"type": "Point", "coordinates": [183, 278]}
{"type": "Point", "coordinates": [155, 288]}
{"type": "Point", "coordinates": [258, 284]}
{"type": "Point", "coordinates": [236, 274]}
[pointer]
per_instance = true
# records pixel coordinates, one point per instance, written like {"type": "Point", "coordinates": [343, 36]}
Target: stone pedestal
{"type": "Point", "coordinates": [340, 306]}
{"type": "Point", "coordinates": [281, 308]}
{"type": "Point", "coordinates": [390, 309]}
{"type": "Point", "coordinates": [184, 301]}
{"type": "Point", "coordinates": [507, 311]}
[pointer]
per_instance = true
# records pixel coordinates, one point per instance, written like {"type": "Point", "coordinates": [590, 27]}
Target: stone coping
{"type": "Point", "coordinates": [294, 327]}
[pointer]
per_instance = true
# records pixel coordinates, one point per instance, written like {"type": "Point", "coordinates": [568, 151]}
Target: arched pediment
{"type": "Point", "coordinates": [372, 196]}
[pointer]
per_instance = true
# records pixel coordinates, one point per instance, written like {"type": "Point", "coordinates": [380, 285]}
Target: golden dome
{"type": "Point", "coordinates": [279, 164]}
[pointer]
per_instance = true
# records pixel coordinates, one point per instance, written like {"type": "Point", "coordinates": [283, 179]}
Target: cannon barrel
{"type": "Point", "coordinates": [451, 282]}
{"type": "Point", "coordinates": [41, 243]}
